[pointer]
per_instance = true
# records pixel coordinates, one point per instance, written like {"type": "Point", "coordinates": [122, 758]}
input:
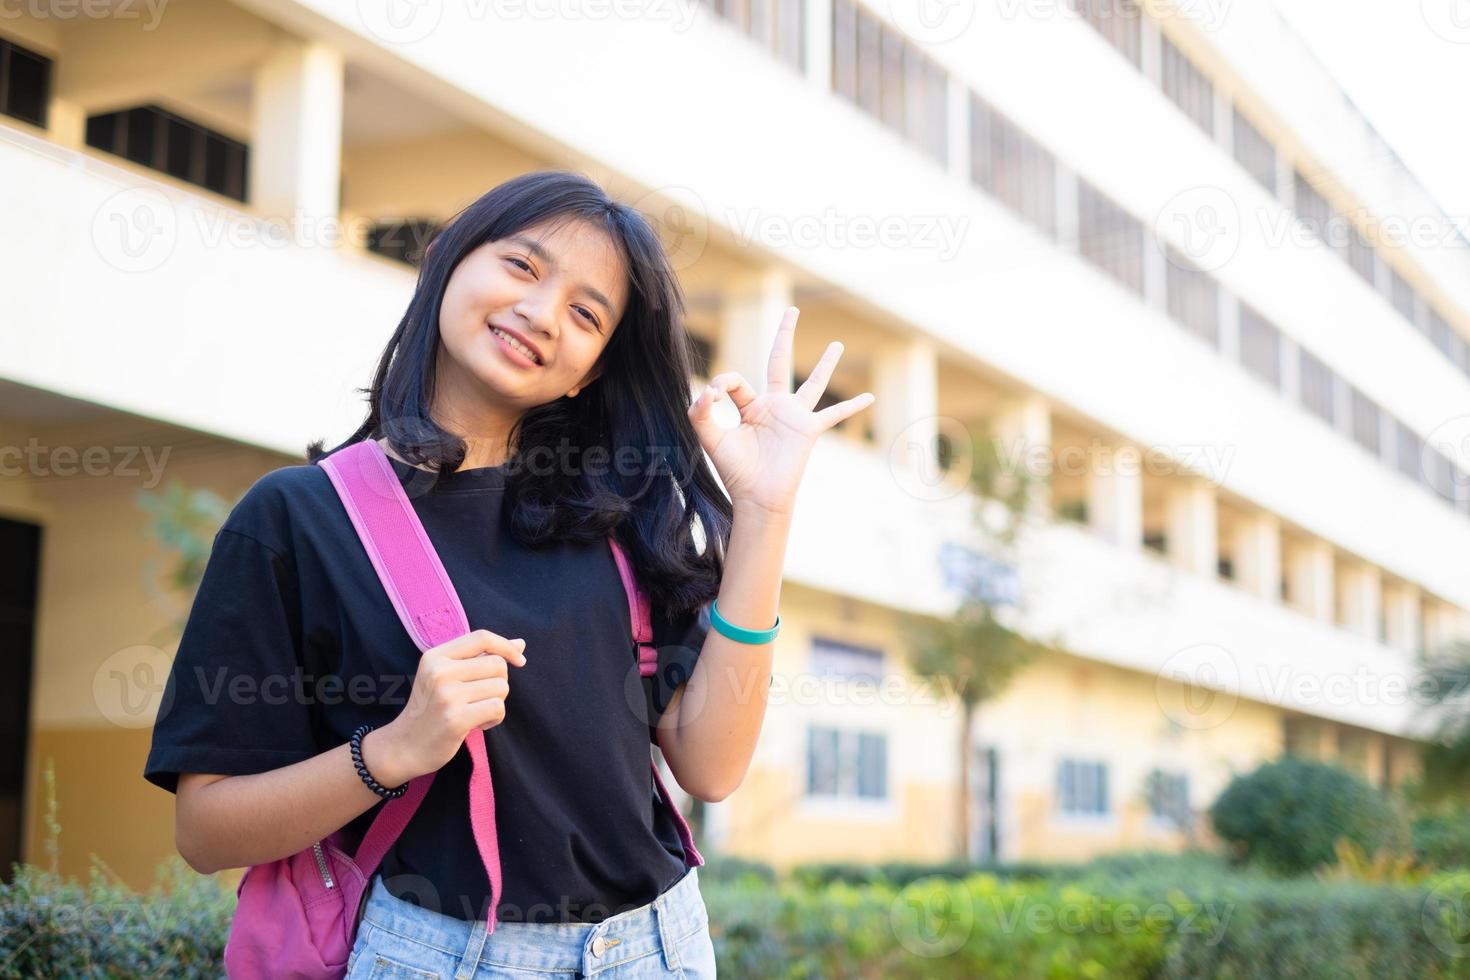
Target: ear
{"type": "Point", "coordinates": [592, 376]}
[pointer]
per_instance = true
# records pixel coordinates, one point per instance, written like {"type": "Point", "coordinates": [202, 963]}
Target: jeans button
{"type": "Point", "coordinates": [599, 946]}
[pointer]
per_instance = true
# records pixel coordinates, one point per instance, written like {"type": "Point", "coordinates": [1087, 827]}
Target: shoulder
{"type": "Point", "coordinates": [277, 501]}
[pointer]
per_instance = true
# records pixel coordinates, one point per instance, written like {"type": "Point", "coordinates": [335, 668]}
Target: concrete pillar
{"type": "Point", "coordinates": [1401, 618]}
{"type": "Point", "coordinates": [906, 409]}
{"type": "Point", "coordinates": [1359, 596]}
{"type": "Point", "coordinates": [1115, 498]}
{"type": "Point", "coordinates": [1190, 534]}
{"type": "Point", "coordinates": [296, 136]}
{"type": "Point", "coordinates": [67, 123]}
{"type": "Point", "coordinates": [749, 317]}
{"type": "Point", "coordinates": [1256, 555]}
{"type": "Point", "coordinates": [1444, 626]}
{"type": "Point", "coordinates": [1022, 426]}
{"type": "Point", "coordinates": [1310, 572]}
{"type": "Point", "coordinates": [818, 53]}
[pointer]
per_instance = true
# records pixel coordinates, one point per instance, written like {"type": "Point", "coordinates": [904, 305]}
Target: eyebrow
{"type": "Point", "coordinates": [535, 249]}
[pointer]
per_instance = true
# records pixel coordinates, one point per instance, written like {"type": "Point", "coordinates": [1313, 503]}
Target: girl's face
{"type": "Point", "coordinates": [558, 291]}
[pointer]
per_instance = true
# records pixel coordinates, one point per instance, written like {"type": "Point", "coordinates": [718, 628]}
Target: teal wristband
{"type": "Point", "coordinates": [736, 633]}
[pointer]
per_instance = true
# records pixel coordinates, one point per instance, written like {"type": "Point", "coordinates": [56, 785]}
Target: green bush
{"type": "Point", "coordinates": [56, 927]}
{"type": "Point", "coordinates": [1288, 814]}
{"type": "Point", "coordinates": [1442, 838]}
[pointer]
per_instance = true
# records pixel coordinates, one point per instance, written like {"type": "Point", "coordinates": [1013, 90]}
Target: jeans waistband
{"type": "Point", "coordinates": [584, 947]}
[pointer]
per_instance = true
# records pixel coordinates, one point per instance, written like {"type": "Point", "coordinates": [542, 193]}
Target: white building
{"type": "Point", "coordinates": [1162, 254]}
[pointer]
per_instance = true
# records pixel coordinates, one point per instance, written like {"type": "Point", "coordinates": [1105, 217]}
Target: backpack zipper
{"type": "Point", "coordinates": [321, 863]}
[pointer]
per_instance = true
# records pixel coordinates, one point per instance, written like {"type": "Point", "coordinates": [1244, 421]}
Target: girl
{"type": "Point", "coordinates": [534, 401]}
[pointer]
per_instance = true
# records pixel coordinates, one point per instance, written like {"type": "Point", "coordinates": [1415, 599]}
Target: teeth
{"type": "Point", "coordinates": [515, 343]}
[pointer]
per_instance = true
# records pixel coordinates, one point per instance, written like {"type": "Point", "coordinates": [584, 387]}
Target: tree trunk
{"type": "Point", "coordinates": [967, 715]}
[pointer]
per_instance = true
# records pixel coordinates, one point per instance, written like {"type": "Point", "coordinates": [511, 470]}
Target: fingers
{"type": "Point", "coordinates": [478, 642]}
{"type": "Point", "coordinates": [778, 377]}
{"type": "Point", "coordinates": [833, 414]}
{"type": "Point", "coordinates": [733, 383]}
{"type": "Point", "coordinates": [811, 389]}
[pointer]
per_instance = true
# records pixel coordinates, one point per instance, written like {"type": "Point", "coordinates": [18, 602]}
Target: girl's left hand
{"type": "Point", "coordinates": [761, 460]}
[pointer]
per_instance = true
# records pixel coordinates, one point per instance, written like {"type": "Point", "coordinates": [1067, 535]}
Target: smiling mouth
{"type": "Point", "coordinates": [516, 345]}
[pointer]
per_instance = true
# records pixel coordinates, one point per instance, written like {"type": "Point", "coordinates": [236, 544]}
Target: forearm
{"type": "Point", "coordinates": [709, 734]}
{"type": "Point", "coordinates": [240, 821]}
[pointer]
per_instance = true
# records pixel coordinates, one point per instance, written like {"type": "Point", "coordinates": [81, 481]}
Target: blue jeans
{"type": "Point", "coordinates": [668, 937]}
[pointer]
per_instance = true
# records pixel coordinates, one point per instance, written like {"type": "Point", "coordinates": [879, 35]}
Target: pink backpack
{"type": "Point", "coordinates": [298, 917]}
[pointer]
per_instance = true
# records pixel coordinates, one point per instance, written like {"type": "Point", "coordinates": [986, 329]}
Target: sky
{"type": "Point", "coordinates": [1406, 65]}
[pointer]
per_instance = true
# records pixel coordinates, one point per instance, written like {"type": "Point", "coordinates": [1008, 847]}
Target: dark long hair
{"type": "Point", "coordinates": [652, 493]}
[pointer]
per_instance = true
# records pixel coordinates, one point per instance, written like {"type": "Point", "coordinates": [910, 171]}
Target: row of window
{"type": "Point", "coordinates": [1120, 22]}
{"type": "Point", "coordinates": [25, 83]}
{"type": "Point", "coordinates": [883, 73]}
{"type": "Point", "coordinates": [1082, 791]}
{"type": "Point", "coordinates": [1026, 177]}
{"type": "Point", "coordinates": [779, 26]}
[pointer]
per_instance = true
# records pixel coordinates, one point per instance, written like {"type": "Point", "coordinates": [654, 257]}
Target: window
{"type": "Point", "coordinates": [703, 352]}
{"type": "Point", "coordinates": [1317, 383]}
{"type": "Point", "coordinates": [1013, 167]}
{"type": "Point", "coordinates": [1439, 475]}
{"type": "Point", "coordinates": [1313, 211]}
{"type": "Point", "coordinates": [25, 83]}
{"type": "Point", "coordinates": [1410, 451]}
{"type": "Point", "coordinates": [171, 144]}
{"type": "Point", "coordinates": [1187, 88]}
{"type": "Point", "coordinates": [1193, 297]}
{"type": "Point", "coordinates": [875, 67]}
{"type": "Point", "coordinates": [1403, 297]}
{"type": "Point", "coordinates": [1118, 21]}
{"type": "Point", "coordinates": [1254, 152]}
{"type": "Point", "coordinates": [401, 240]}
{"type": "Point", "coordinates": [1109, 237]}
{"type": "Point", "coordinates": [1367, 422]}
{"type": "Point", "coordinates": [1361, 256]}
{"type": "Point", "coordinates": [842, 763]}
{"type": "Point", "coordinates": [776, 25]}
{"type": "Point", "coordinates": [1260, 347]}
{"type": "Point", "coordinates": [832, 658]}
{"type": "Point", "coordinates": [1440, 333]}
{"type": "Point", "coordinates": [1082, 788]}
{"type": "Point", "coordinates": [1168, 797]}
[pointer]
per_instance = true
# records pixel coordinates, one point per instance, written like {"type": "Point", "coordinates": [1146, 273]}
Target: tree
{"type": "Point", "coordinates": [1445, 759]}
{"type": "Point", "coordinates": [974, 652]}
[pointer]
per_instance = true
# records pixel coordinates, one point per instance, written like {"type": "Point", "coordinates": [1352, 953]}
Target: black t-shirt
{"type": "Point", "coordinates": [292, 643]}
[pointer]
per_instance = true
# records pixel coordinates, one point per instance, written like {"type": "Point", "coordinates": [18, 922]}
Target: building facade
{"type": "Point", "coordinates": [1158, 256]}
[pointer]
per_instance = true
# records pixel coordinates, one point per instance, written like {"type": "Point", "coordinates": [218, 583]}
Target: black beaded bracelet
{"type": "Point", "coordinates": [367, 777]}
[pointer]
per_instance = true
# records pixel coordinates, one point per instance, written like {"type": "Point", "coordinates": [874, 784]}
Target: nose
{"type": "Point", "coordinates": [539, 313]}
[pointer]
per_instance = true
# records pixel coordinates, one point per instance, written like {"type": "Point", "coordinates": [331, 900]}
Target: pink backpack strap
{"type": "Point", "coordinates": [638, 613]}
{"type": "Point", "coordinates": [430, 609]}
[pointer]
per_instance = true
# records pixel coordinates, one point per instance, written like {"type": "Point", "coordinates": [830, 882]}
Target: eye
{"type": "Point", "coordinates": [519, 264]}
{"type": "Point", "coordinates": [590, 318]}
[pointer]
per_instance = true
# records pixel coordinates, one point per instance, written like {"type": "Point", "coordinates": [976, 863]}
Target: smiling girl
{"type": "Point", "coordinates": [534, 403]}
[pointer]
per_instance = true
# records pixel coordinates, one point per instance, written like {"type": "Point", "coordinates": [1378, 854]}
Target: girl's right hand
{"type": "Point", "coordinates": [459, 686]}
